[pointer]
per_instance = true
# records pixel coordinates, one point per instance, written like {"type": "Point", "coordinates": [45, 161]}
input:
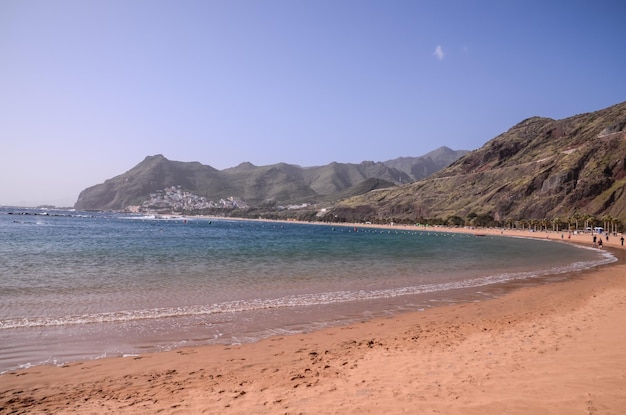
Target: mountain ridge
{"type": "Point", "coordinates": [540, 168]}
{"type": "Point", "coordinates": [282, 182]}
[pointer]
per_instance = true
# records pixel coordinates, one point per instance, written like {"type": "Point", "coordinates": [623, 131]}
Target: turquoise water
{"type": "Point", "coordinates": [80, 285]}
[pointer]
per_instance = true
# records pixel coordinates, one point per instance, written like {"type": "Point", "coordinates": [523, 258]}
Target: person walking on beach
{"type": "Point", "coordinates": [600, 243]}
{"type": "Point", "coordinates": [622, 240]}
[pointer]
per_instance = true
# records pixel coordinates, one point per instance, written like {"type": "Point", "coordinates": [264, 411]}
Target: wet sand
{"type": "Point", "coordinates": [557, 348]}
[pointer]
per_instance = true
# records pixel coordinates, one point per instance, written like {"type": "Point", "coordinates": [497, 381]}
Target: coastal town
{"type": "Point", "coordinates": [174, 199]}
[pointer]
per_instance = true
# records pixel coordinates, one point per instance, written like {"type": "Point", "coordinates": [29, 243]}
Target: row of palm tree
{"type": "Point", "coordinates": [573, 222]}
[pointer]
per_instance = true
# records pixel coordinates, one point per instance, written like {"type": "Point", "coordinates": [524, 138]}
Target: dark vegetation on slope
{"type": "Point", "coordinates": [541, 170]}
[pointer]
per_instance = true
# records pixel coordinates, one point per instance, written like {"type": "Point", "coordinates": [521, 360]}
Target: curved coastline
{"type": "Point", "coordinates": [499, 277]}
{"type": "Point", "coordinates": [453, 358]}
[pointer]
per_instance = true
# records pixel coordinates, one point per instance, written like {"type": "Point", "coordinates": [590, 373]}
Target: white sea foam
{"type": "Point", "coordinates": [300, 300]}
{"type": "Point", "coordinates": [92, 285]}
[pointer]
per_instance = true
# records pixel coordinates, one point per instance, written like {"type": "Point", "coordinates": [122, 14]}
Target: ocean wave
{"type": "Point", "coordinates": [300, 300]}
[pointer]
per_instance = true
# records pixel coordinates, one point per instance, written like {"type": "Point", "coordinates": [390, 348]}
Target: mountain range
{"type": "Point", "coordinates": [280, 183]}
{"type": "Point", "coordinates": [541, 169]}
{"type": "Point", "coordinates": [566, 170]}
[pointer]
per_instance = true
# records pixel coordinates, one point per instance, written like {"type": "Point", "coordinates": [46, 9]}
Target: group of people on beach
{"type": "Point", "coordinates": [597, 240]}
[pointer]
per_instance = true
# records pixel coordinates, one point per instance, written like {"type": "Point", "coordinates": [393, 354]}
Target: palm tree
{"type": "Point", "coordinates": [606, 221]}
{"type": "Point", "coordinates": [576, 217]}
{"type": "Point", "coordinates": [586, 217]}
{"type": "Point", "coordinates": [614, 225]}
{"type": "Point", "coordinates": [509, 222]}
{"type": "Point", "coordinates": [533, 223]}
{"type": "Point", "coordinates": [592, 221]}
{"type": "Point", "coordinates": [523, 222]}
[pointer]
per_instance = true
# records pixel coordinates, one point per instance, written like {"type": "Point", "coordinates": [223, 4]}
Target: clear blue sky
{"type": "Point", "coordinates": [89, 88]}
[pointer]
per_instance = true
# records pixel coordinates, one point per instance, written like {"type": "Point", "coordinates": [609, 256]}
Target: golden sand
{"type": "Point", "coordinates": [557, 348]}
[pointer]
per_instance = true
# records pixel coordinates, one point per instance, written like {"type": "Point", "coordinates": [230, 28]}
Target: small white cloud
{"type": "Point", "coordinates": [439, 52]}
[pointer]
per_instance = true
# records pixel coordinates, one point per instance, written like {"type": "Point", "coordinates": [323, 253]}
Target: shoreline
{"type": "Point", "coordinates": [456, 358]}
{"type": "Point", "coordinates": [576, 237]}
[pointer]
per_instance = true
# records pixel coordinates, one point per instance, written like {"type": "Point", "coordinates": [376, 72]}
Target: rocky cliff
{"type": "Point", "coordinates": [540, 169]}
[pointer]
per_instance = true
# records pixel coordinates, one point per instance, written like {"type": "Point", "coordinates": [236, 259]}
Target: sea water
{"type": "Point", "coordinates": [83, 285]}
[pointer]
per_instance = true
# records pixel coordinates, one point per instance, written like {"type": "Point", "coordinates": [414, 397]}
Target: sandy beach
{"type": "Point", "coordinates": [557, 348]}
